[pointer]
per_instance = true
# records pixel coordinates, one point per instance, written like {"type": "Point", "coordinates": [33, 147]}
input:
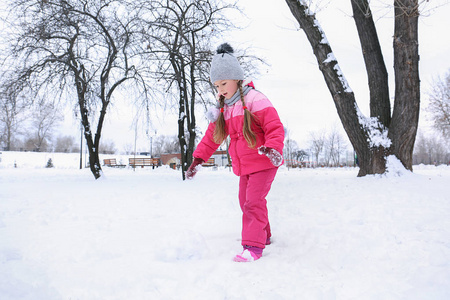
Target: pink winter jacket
{"type": "Point", "coordinates": [268, 129]}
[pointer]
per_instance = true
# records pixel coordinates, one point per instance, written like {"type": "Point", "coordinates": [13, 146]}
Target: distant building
{"type": "Point", "coordinates": [173, 160]}
{"type": "Point", "coordinates": [220, 158]}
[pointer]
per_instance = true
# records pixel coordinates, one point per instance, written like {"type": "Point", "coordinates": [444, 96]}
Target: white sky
{"type": "Point", "coordinates": [293, 81]}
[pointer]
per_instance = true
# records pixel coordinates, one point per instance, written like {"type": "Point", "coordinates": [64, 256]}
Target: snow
{"type": "Point", "coordinates": [331, 58]}
{"type": "Point", "coordinates": [146, 234]}
{"type": "Point", "coordinates": [378, 135]}
{"type": "Point", "coordinates": [395, 168]}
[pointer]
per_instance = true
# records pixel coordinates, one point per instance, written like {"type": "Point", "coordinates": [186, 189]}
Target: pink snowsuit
{"type": "Point", "coordinates": [256, 171]}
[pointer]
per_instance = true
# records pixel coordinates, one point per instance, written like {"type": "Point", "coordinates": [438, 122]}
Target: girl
{"type": "Point", "coordinates": [257, 136]}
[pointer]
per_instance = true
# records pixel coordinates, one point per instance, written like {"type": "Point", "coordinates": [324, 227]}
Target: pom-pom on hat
{"type": "Point", "coordinates": [225, 66]}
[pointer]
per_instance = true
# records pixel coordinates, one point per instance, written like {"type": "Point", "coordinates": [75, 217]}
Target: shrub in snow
{"type": "Point", "coordinates": [49, 164]}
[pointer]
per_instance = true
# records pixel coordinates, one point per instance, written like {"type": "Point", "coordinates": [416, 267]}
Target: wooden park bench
{"type": "Point", "coordinates": [111, 162]}
{"type": "Point", "coordinates": [143, 162]}
{"type": "Point", "coordinates": [210, 163]}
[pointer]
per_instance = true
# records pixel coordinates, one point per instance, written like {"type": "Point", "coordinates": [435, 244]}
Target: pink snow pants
{"type": "Point", "coordinates": [253, 189]}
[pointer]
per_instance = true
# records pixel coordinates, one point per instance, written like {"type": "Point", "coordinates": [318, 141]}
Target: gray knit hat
{"type": "Point", "coordinates": [224, 65]}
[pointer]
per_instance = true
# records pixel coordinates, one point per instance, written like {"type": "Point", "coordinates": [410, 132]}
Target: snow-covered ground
{"type": "Point", "coordinates": [146, 234]}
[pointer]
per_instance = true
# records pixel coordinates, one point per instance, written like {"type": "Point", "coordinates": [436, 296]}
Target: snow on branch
{"type": "Point", "coordinates": [340, 74]}
{"type": "Point", "coordinates": [331, 58]}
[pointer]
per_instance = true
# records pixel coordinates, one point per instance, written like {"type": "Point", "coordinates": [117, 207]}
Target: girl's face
{"type": "Point", "coordinates": [226, 88]}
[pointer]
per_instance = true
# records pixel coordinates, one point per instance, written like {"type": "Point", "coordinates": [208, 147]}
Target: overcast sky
{"type": "Point", "coordinates": [293, 81]}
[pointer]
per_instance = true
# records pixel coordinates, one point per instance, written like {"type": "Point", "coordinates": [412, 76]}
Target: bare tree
{"type": "Point", "coordinates": [85, 49]}
{"type": "Point", "coordinates": [128, 149]}
{"type": "Point", "coordinates": [166, 144]}
{"type": "Point", "coordinates": [317, 142]}
{"type": "Point", "coordinates": [107, 147]}
{"type": "Point", "coordinates": [382, 134]}
{"type": "Point", "coordinates": [12, 115]}
{"type": "Point", "coordinates": [439, 106]}
{"type": "Point", "coordinates": [300, 155]}
{"type": "Point", "coordinates": [420, 150]}
{"type": "Point", "coordinates": [65, 144]}
{"type": "Point", "coordinates": [179, 34]}
{"type": "Point", "coordinates": [334, 147]}
{"type": "Point", "coordinates": [290, 148]}
{"type": "Point", "coordinates": [32, 143]}
{"type": "Point", "coordinates": [44, 118]}
{"type": "Point", "coordinates": [431, 149]}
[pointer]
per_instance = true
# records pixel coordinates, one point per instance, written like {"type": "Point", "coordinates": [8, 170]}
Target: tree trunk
{"type": "Point", "coordinates": [343, 96]}
{"type": "Point", "coordinates": [8, 133]}
{"type": "Point", "coordinates": [403, 125]}
{"type": "Point", "coordinates": [191, 122]}
{"type": "Point", "coordinates": [181, 121]}
{"type": "Point", "coordinates": [405, 117]}
{"type": "Point", "coordinates": [94, 160]}
{"type": "Point", "coordinates": [380, 106]}
{"type": "Point", "coordinates": [181, 139]}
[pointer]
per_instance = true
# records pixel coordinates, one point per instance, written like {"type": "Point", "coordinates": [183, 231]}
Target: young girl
{"type": "Point", "coordinates": [257, 136]}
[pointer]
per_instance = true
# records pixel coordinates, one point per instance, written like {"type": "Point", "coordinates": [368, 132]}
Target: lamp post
{"type": "Point", "coordinates": [150, 136]}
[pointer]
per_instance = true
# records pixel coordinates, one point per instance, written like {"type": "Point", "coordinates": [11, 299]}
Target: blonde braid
{"type": "Point", "coordinates": [219, 131]}
{"type": "Point", "coordinates": [249, 135]}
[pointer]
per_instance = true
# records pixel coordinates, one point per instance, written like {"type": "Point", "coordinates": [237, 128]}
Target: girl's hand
{"type": "Point", "coordinates": [275, 157]}
{"type": "Point", "coordinates": [194, 167]}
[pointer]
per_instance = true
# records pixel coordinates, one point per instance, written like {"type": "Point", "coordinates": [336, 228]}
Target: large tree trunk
{"type": "Point", "coordinates": [405, 117]}
{"type": "Point", "coordinates": [370, 159]}
{"type": "Point", "coordinates": [81, 85]}
{"type": "Point", "coordinates": [94, 160]}
{"type": "Point", "coordinates": [403, 125]}
{"type": "Point", "coordinates": [380, 106]}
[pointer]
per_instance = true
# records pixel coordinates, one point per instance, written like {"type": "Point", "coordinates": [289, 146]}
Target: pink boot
{"type": "Point", "coordinates": [249, 254]}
